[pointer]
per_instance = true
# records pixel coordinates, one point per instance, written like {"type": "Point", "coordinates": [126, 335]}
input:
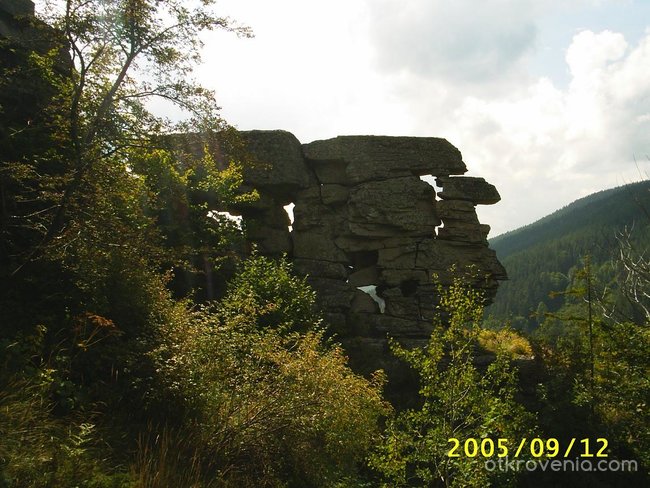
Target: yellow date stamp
{"type": "Point", "coordinates": [535, 447]}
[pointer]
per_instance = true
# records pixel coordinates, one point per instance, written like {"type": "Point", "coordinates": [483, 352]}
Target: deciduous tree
{"type": "Point", "coordinates": [122, 54]}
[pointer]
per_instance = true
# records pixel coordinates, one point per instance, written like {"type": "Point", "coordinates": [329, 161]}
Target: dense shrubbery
{"type": "Point", "coordinates": [461, 401]}
{"type": "Point", "coordinates": [205, 395]}
{"type": "Point", "coordinates": [269, 405]}
{"type": "Point", "coordinates": [127, 359]}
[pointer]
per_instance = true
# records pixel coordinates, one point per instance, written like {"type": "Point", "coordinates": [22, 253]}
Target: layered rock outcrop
{"type": "Point", "coordinates": [368, 232]}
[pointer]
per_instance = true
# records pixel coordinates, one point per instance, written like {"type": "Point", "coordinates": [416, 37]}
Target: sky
{"type": "Point", "coordinates": [548, 100]}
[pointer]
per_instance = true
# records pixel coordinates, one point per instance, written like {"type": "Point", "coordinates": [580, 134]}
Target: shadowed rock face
{"type": "Point", "coordinates": [363, 217]}
{"type": "Point", "coordinates": [15, 24]}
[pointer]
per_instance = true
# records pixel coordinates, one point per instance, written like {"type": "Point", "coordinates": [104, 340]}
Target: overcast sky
{"type": "Point", "coordinates": [547, 99]}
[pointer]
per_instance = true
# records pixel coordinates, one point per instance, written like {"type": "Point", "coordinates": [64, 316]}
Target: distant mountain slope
{"type": "Point", "coordinates": [539, 256]}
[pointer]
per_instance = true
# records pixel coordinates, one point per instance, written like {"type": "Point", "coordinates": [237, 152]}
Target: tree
{"type": "Point", "coordinates": [122, 54]}
{"type": "Point", "coordinates": [272, 297]}
{"type": "Point", "coordinates": [182, 193]}
{"type": "Point", "coordinates": [460, 401]}
{"type": "Point", "coordinates": [596, 371]}
{"type": "Point", "coordinates": [634, 276]}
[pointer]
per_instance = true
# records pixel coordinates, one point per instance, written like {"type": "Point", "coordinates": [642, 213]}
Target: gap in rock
{"type": "Point", "coordinates": [438, 227]}
{"type": "Point", "coordinates": [408, 287]}
{"type": "Point", "coordinates": [371, 290]}
{"type": "Point", "coordinates": [431, 180]}
{"type": "Point", "coordinates": [289, 209]}
{"type": "Point", "coordinates": [350, 270]}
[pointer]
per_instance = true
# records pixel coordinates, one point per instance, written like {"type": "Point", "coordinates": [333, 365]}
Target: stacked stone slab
{"type": "Point", "coordinates": [363, 217]}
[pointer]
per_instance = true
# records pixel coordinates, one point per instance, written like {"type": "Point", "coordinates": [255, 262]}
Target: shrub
{"type": "Point", "coordinates": [505, 340]}
{"type": "Point", "coordinates": [458, 401]}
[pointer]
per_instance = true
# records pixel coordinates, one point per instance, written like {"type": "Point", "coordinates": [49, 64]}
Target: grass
{"type": "Point", "coordinates": [505, 340]}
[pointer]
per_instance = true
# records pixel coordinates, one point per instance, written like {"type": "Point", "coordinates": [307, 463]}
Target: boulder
{"type": "Point", "coordinates": [472, 189]}
{"type": "Point", "coordinates": [334, 194]}
{"type": "Point", "coordinates": [399, 276]}
{"type": "Point", "coordinates": [278, 164]}
{"type": "Point", "coordinates": [270, 240]}
{"type": "Point", "coordinates": [456, 210]}
{"type": "Point", "coordinates": [364, 277]}
{"type": "Point", "coordinates": [317, 267]}
{"type": "Point", "coordinates": [317, 245]}
{"type": "Point", "coordinates": [398, 305]}
{"type": "Point", "coordinates": [363, 303]}
{"type": "Point", "coordinates": [349, 160]}
{"type": "Point", "coordinates": [332, 295]}
{"type": "Point", "coordinates": [364, 217]}
{"type": "Point", "coordinates": [395, 207]}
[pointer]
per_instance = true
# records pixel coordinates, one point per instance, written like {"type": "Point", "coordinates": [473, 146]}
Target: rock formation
{"type": "Point", "coordinates": [16, 20]}
{"type": "Point", "coordinates": [368, 232]}
{"type": "Point", "coordinates": [365, 223]}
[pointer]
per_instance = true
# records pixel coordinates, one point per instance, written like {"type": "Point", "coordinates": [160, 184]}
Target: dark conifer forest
{"type": "Point", "coordinates": [543, 257]}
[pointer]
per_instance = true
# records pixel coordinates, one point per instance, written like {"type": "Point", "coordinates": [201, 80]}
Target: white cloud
{"type": "Point", "coordinates": [464, 40]}
{"type": "Point", "coordinates": [459, 70]}
{"type": "Point", "coordinates": [546, 146]}
{"type": "Point", "coordinates": [590, 53]}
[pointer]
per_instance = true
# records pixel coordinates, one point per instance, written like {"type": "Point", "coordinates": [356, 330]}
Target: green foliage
{"type": "Point", "coordinates": [34, 146]}
{"type": "Point", "coordinates": [622, 387]}
{"type": "Point", "coordinates": [103, 63]}
{"type": "Point", "coordinates": [170, 457]}
{"type": "Point", "coordinates": [460, 400]}
{"type": "Point", "coordinates": [182, 194]}
{"type": "Point", "coordinates": [506, 341]}
{"type": "Point", "coordinates": [266, 405]}
{"type": "Point", "coordinates": [39, 450]}
{"type": "Point", "coordinates": [212, 398]}
{"type": "Point", "coordinates": [108, 378]}
{"type": "Point", "coordinates": [596, 372]}
{"type": "Point", "coordinates": [269, 293]}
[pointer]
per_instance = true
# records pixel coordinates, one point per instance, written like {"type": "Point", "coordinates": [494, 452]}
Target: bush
{"type": "Point", "coordinates": [507, 341]}
{"type": "Point", "coordinates": [267, 406]}
{"type": "Point", "coordinates": [459, 400]}
{"type": "Point", "coordinates": [272, 297]}
{"type": "Point", "coordinates": [38, 449]}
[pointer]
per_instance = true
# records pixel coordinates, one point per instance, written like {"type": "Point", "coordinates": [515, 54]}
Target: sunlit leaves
{"type": "Point", "coordinates": [460, 400]}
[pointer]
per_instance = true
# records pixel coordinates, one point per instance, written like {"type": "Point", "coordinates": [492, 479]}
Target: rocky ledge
{"type": "Point", "coordinates": [368, 232]}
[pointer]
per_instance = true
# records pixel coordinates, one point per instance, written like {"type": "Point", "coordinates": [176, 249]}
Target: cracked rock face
{"type": "Point", "coordinates": [364, 218]}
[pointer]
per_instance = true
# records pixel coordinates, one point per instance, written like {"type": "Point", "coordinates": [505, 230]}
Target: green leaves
{"type": "Point", "coordinates": [268, 293]}
{"type": "Point", "coordinates": [460, 400]}
{"type": "Point", "coordinates": [269, 404]}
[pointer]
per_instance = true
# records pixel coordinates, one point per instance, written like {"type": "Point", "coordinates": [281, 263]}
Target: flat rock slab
{"type": "Point", "coordinates": [279, 167]}
{"type": "Point", "coordinates": [472, 189]}
{"type": "Point", "coordinates": [348, 160]}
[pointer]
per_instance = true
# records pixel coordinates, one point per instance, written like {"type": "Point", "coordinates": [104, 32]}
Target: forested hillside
{"type": "Point", "coordinates": [540, 258]}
